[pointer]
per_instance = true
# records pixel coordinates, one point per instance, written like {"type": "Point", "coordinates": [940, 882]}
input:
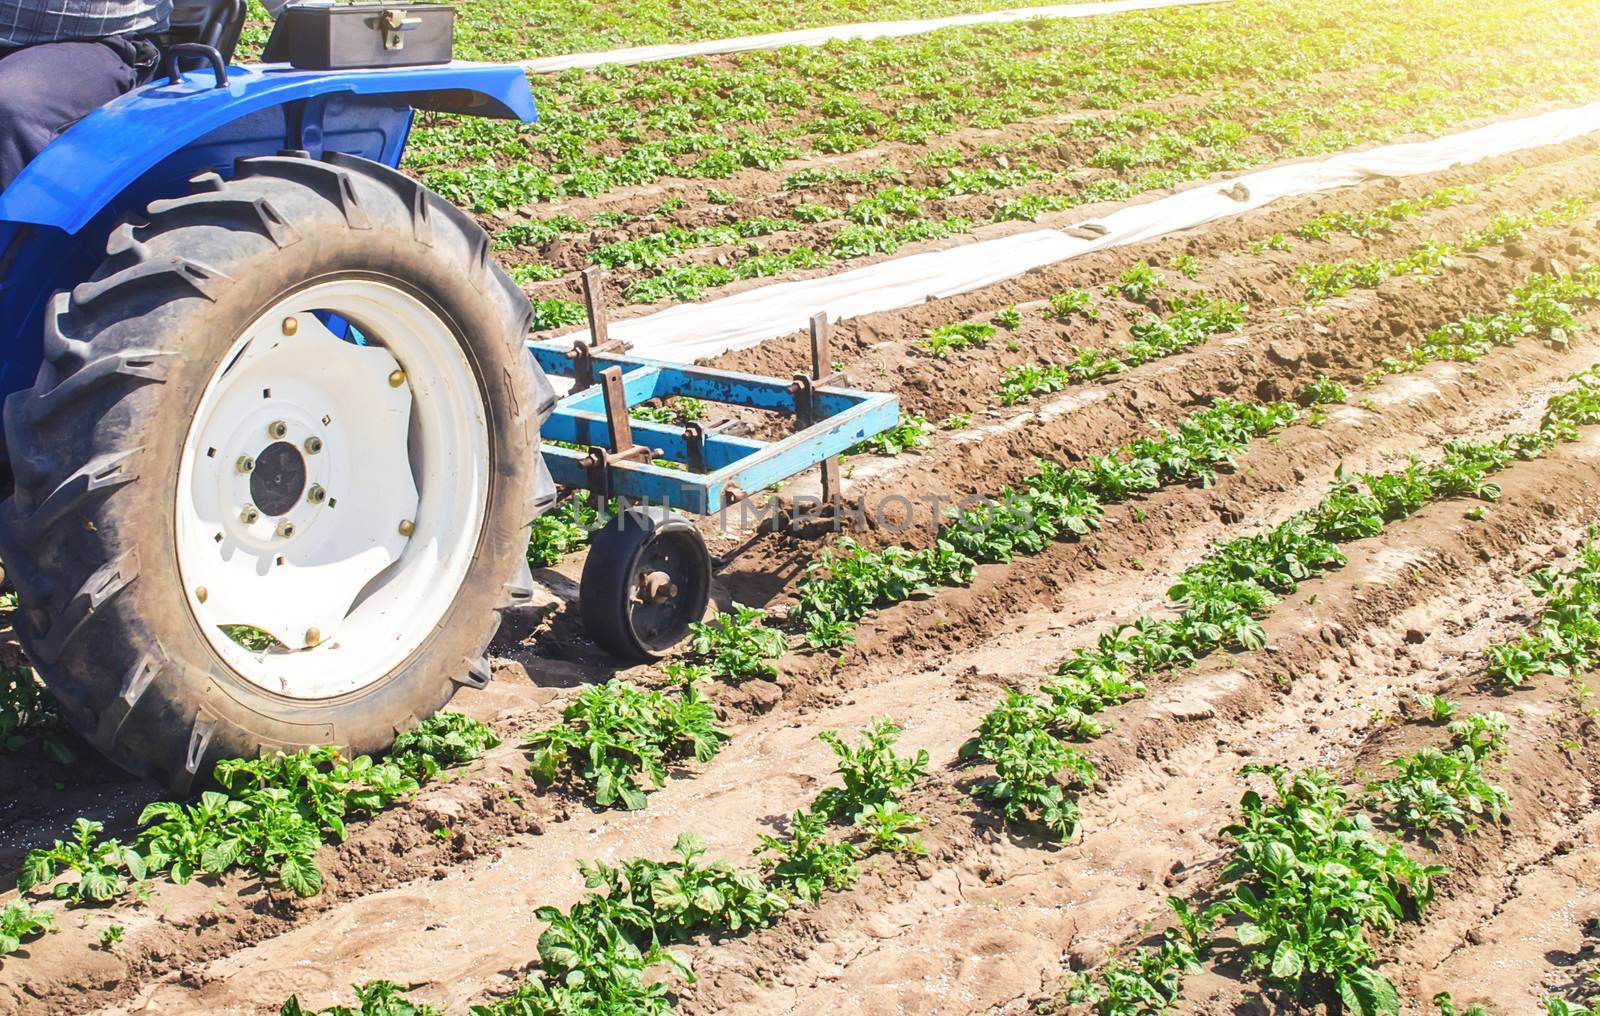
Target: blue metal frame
{"type": "Point", "coordinates": [735, 465]}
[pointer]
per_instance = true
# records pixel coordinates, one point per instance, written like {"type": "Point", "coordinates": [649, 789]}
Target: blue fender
{"type": "Point", "coordinates": [148, 145]}
{"type": "Point", "coordinates": [193, 125]}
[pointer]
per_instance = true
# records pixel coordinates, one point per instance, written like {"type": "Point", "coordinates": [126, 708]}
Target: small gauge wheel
{"type": "Point", "coordinates": [646, 580]}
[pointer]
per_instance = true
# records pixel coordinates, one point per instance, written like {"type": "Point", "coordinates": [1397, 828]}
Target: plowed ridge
{"type": "Point", "coordinates": [935, 665]}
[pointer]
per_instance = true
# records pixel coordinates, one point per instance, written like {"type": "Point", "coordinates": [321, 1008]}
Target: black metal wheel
{"type": "Point", "coordinates": [647, 578]}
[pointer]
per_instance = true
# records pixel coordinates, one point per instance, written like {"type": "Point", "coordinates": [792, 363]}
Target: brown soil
{"type": "Point", "coordinates": [439, 893]}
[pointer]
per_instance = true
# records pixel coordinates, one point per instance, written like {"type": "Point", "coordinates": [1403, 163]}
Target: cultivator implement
{"type": "Point", "coordinates": [702, 467]}
{"type": "Point", "coordinates": [648, 573]}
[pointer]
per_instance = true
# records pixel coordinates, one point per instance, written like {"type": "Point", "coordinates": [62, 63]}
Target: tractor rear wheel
{"type": "Point", "coordinates": [275, 478]}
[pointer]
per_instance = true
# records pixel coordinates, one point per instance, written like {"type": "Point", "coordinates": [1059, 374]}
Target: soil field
{"type": "Point", "coordinates": [1299, 632]}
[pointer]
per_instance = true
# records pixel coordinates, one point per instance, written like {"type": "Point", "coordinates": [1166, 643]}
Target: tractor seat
{"type": "Point", "coordinates": [214, 23]}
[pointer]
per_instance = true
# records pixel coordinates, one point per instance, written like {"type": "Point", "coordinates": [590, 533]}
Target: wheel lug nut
{"type": "Point", "coordinates": [407, 527]}
{"type": "Point", "coordinates": [277, 428]}
{"type": "Point", "coordinates": [316, 495]}
{"type": "Point", "coordinates": [285, 529]}
{"type": "Point", "coordinates": [313, 445]}
{"type": "Point", "coordinates": [249, 515]}
{"type": "Point", "coordinates": [245, 464]}
{"type": "Point", "coordinates": [397, 378]}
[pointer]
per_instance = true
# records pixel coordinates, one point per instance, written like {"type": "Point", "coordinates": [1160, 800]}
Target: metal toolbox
{"type": "Point", "coordinates": [328, 36]}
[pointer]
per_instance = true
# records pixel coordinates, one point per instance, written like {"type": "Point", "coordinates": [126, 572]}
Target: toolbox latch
{"type": "Point", "coordinates": [394, 24]}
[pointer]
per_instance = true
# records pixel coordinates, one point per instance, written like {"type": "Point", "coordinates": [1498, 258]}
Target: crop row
{"type": "Point", "coordinates": [1191, 322]}
{"type": "Point", "coordinates": [709, 120]}
{"type": "Point", "coordinates": [1310, 879]}
{"type": "Point", "coordinates": [1266, 889]}
{"type": "Point", "coordinates": [880, 223]}
{"type": "Point", "coordinates": [841, 586]}
{"type": "Point", "coordinates": [597, 956]}
{"type": "Point", "coordinates": [1195, 321]}
{"type": "Point", "coordinates": [1306, 882]}
{"type": "Point", "coordinates": [900, 205]}
{"type": "Point", "coordinates": [1324, 279]}
{"type": "Point", "coordinates": [268, 816]}
{"type": "Point", "coordinates": [1223, 596]}
{"type": "Point", "coordinates": [1227, 590]}
{"type": "Point", "coordinates": [847, 581]}
{"type": "Point", "coordinates": [1431, 787]}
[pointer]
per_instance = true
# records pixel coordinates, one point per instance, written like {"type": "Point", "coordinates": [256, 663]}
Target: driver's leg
{"type": "Point", "coordinates": [46, 88]}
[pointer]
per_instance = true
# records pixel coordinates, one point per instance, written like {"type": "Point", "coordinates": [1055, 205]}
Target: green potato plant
{"type": "Point", "coordinates": [617, 740]}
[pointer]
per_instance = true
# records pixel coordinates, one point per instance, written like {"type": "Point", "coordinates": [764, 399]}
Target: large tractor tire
{"type": "Point", "coordinates": [275, 478]}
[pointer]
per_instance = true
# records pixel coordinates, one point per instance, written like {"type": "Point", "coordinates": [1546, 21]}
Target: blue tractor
{"type": "Point", "coordinates": [272, 422]}
{"type": "Point", "coordinates": [271, 428]}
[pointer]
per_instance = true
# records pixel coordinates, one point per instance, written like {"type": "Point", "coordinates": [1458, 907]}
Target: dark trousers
{"type": "Point", "coordinates": [46, 88]}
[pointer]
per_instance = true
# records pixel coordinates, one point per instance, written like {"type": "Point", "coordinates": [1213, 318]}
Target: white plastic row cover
{"type": "Point", "coordinates": [691, 332]}
{"type": "Point", "coordinates": [829, 33]}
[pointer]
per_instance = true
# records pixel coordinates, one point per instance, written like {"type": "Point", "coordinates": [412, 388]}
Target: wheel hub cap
{"type": "Point", "coordinates": [298, 566]}
{"type": "Point", "coordinates": [279, 478]}
{"type": "Point", "coordinates": [333, 489]}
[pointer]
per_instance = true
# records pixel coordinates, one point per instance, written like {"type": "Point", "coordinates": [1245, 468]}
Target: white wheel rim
{"type": "Point", "coordinates": [349, 583]}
